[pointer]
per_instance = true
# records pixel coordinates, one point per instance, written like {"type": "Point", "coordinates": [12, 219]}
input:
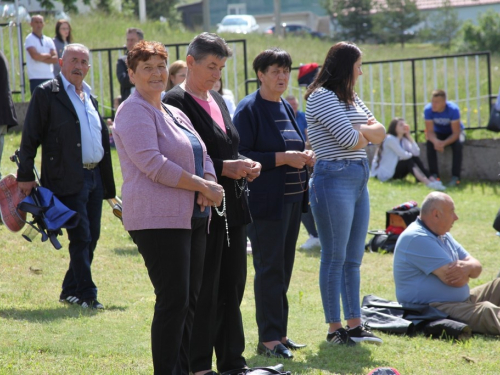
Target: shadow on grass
{"type": "Point", "coordinates": [330, 358]}
{"type": "Point", "coordinates": [315, 252]}
{"type": "Point", "coordinates": [128, 251]}
{"type": "Point", "coordinates": [50, 315]}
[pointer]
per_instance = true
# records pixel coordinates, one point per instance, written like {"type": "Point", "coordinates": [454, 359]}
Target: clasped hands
{"type": "Point", "coordinates": [298, 159]}
{"type": "Point", "coordinates": [241, 168]}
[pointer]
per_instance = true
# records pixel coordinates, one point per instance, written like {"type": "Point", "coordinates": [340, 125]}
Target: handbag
{"type": "Point", "coordinates": [496, 222]}
{"type": "Point", "coordinates": [494, 123]}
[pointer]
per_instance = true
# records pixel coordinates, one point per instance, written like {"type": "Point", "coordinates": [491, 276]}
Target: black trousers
{"type": "Point", "coordinates": [273, 249]}
{"type": "Point", "coordinates": [405, 167]}
{"type": "Point", "coordinates": [456, 147]}
{"type": "Point", "coordinates": [174, 259]}
{"type": "Point", "coordinates": [218, 323]}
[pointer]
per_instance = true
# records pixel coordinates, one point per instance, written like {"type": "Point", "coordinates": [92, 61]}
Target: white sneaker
{"type": "Point", "coordinates": [436, 185]}
{"type": "Point", "coordinates": [310, 243]}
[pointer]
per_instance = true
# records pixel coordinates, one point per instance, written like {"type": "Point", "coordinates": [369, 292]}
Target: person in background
{"type": "Point", "coordinates": [339, 128]}
{"type": "Point", "coordinates": [62, 39]}
{"type": "Point", "coordinates": [444, 128]}
{"type": "Point", "coordinates": [432, 268]}
{"type": "Point", "coordinates": [8, 116]}
{"type": "Point", "coordinates": [62, 117]}
{"type": "Point", "coordinates": [168, 189]}
{"type": "Point", "coordinates": [307, 217]}
{"type": "Point", "coordinates": [41, 54]}
{"type": "Point", "coordinates": [270, 135]}
{"type": "Point", "coordinates": [134, 36]}
{"type": "Point", "coordinates": [399, 155]}
{"type": "Point", "coordinates": [176, 74]}
{"type": "Point", "coordinates": [218, 322]}
{"type": "Point", "coordinates": [227, 95]}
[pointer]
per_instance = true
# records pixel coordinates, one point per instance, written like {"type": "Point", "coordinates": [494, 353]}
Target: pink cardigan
{"type": "Point", "coordinates": [153, 151]}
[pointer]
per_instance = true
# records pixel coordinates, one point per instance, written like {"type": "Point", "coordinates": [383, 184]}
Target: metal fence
{"type": "Point", "coordinates": [390, 88]}
{"type": "Point", "coordinates": [102, 73]}
{"type": "Point", "coordinates": [402, 88]}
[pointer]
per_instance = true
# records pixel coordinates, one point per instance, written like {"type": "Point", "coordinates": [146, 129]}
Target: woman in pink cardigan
{"type": "Point", "coordinates": [168, 186]}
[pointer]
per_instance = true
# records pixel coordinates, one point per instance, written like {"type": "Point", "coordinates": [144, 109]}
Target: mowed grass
{"type": "Point", "coordinates": [39, 335]}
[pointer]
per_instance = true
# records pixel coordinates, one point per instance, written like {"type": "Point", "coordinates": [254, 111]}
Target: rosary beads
{"type": "Point", "coordinates": [223, 213]}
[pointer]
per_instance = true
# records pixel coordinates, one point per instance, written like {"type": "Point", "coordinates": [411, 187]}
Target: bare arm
{"type": "Point", "coordinates": [373, 131]}
{"type": "Point", "coordinates": [362, 142]}
{"type": "Point", "coordinates": [455, 128]}
{"type": "Point", "coordinates": [48, 58]}
{"type": "Point", "coordinates": [457, 273]}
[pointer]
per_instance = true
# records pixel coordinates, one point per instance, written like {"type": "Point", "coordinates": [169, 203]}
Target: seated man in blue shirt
{"type": "Point", "coordinates": [444, 128]}
{"type": "Point", "coordinates": [431, 267]}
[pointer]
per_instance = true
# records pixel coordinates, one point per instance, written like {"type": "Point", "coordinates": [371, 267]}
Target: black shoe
{"type": "Point", "coordinates": [72, 300]}
{"type": "Point", "coordinates": [293, 345]}
{"type": "Point", "coordinates": [279, 351]}
{"type": "Point", "coordinates": [340, 337]}
{"type": "Point", "coordinates": [91, 304]}
{"type": "Point", "coordinates": [363, 333]}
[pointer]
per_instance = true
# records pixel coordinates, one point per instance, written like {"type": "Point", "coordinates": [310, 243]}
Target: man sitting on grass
{"type": "Point", "coordinates": [431, 267]}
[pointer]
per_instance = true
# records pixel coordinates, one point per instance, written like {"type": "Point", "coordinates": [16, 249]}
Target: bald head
{"type": "Point", "coordinates": [438, 212]}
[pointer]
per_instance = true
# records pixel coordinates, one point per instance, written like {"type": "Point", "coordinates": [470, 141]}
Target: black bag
{"type": "Point", "coordinates": [382, 242]}
{"type": "Point", "coordinates": [494, 123]}
{"type": "Point", "coordinates": [496, 222]}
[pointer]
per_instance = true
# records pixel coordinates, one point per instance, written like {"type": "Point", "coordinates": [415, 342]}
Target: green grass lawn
{"type": "Point", "coordinates": [39, 335]}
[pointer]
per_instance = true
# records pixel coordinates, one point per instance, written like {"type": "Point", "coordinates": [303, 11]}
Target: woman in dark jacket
{"type": "Point", "coordinates": [270, 135]}
{"type": "Point", "coordinates": [217, 322]}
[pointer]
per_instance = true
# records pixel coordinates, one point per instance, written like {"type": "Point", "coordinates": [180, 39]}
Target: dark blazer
{"type": "Point", "coordinates": [260, 142]}
{"type": "Point", "coordinates": [220, 146]}
{"type": "Point", "coordinates": [7, 111]}
{"type": "Point", "coordinates": [52, 122]}
{"type": "Point", "coordinates": [123, 78]}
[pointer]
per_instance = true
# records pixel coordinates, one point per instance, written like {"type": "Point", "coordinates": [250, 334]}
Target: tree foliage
{"type": "Point", "coordinates": [395, 21]}
{"type": "Point", "coordinates": [483, 36]}
{"type": "Point", "coordinates": [443, 25]}
{"type": "Point", "coordinates": [353, 16]}
{"type": "Point", "coordinates": [159, 8]}
{"type": "Point", "coordinates": [69, 5]}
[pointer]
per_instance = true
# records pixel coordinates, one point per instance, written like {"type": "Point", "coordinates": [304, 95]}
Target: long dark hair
{"type": "Point", "coordinates": [58, 33]}
{"type": "Point", "coordinates": [336, 74]}
{"type": "Point", "coordinates": [391, 130]}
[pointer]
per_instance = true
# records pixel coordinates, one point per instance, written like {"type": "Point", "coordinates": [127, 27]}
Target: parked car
{"type": "Point", "coordinates": [8, 13]}
{"type": "Point", "coordinates": [292, 29]}
{"type": "Point", "coordinates": [240, 23]}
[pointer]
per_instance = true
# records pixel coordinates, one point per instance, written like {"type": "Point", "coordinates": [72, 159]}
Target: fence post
{"type": "Point", "coordinates": [414, 89]}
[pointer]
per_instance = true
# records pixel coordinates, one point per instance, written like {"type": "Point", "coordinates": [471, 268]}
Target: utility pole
{"type": "Point", "coordinates": [278, 29]}
{"type": "Point", "coordinates": [206, 15]}
{"type": "Point", "coordinates": [142, 11]}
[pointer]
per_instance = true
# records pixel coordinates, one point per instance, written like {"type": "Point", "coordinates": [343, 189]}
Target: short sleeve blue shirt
{"type": "Point", "coordinates": [417, 254]}
{"type": "Point", "coordinates": [442, 120]}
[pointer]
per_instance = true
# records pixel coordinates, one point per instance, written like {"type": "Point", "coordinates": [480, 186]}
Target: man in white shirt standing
{"type": "Point", "coordinates": [41, 54]}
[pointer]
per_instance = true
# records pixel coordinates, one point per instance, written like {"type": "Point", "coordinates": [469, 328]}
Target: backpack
{"type": "Point", "coordinates": [396, 221]}
{"type": "Point", "coordinates": [307, 73]}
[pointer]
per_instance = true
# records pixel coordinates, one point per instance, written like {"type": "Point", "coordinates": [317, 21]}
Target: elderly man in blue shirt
{"type": "Point", "coordinates": [76, 163]}
{"type": "Point", "coordinates": [431, 267]}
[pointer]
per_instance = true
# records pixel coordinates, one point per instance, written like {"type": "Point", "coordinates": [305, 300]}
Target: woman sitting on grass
{"type": "Point", "coordinates": [399, 155]}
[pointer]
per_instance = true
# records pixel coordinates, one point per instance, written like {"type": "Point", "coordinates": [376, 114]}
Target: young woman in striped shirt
{"type": "Point", "coordinates": [339, 127]}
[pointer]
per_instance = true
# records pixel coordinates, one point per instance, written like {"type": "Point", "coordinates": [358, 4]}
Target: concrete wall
{"type": "Point", "coordinates": [480, 160]}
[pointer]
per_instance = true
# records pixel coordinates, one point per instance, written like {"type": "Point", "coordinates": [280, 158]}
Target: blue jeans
{"type": "Point", "coordinates": [83, 239]}
{"type": "Point", "coordinates": [341, 207]}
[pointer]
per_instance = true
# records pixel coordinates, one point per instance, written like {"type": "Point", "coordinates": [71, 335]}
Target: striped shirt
{"type": "Point", "coordinates": [295, 181]}
{"type": "Point", "coordinates": [330, 126]}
